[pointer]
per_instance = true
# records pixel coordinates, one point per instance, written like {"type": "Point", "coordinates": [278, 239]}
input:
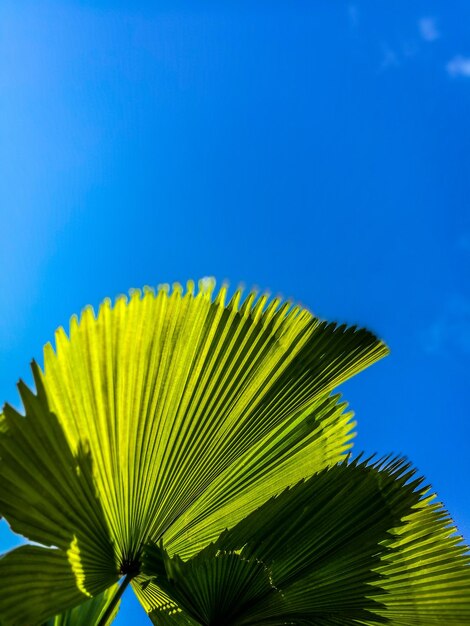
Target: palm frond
{"type": "Point", "coordinates": [36, 583]}
{"type": "Point", "coordinates": [426, 574]}
{"type": "Point", "coordinates": [162, 414]}
{"type": "Point", "coordinates": [88, 613]}
{"type": "Point", "coordinates": [311, 554]}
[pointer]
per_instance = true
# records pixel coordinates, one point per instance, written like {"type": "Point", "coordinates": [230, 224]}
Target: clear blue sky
{"type": "Point", "coordinates": [316, 149]}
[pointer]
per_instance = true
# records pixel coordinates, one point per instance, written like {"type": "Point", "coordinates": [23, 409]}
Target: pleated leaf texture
{"type": "Point", "coordinates": [165, 418]}
{"type": "Point", "coordinates": [359, 543]}
{"type": "Point", "coordinates": [89, 612]}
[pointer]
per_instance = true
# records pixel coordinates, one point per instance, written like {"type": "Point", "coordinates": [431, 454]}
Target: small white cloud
{"type": "Point", "coordinates": [428, 29]}
{"type": "Point", "coordinates": [458, 66]}
{"type": "Point", "coordinates": [207, 284]}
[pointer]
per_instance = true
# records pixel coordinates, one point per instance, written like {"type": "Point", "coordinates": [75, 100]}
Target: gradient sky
{"type": "Point", "coordinates": [316, 149]}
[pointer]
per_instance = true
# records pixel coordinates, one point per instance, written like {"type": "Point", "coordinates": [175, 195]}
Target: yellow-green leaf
{"type": "Point", "coordinates": [88, 613]}
{"type": "Point", "coordinates": [172, 415]}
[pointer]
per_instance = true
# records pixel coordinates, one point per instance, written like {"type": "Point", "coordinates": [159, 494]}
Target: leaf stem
{"type": "Point", "coordinates": [117, 596]}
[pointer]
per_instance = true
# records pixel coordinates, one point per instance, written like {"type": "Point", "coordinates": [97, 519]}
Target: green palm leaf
{"type": "Point", "coordinates": [357, 544]}
{"type": "Point", "coordinates": [427, 571]}
{"type": "Point", "coordinates": [88, 613]}
{"type": "Point", "coordinates": [35, 584]}
{"type": "Point", "coordinates": [168, 416]}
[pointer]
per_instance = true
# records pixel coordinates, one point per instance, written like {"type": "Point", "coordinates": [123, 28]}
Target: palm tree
{"type": "Point", "coordinates": [169, 418]}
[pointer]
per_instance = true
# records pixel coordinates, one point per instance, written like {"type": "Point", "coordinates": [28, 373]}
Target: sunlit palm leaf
{"type": "Point", "coordinates": [323, 553]}
{"type": "Point", "coordinates": [157, 417]}
{"type": "Point", "coordinates": [315, 439]}
{"type": "Point", "coordinates": [36, 583]}
{"type": "Point", "coordinates": [47, 493]}
{"type": "Point", "coordinates": [88, 613]}
{"type": "Point", "coordinates": [317, 543]}
{"type": "Point", "coordinates": [427, 572]}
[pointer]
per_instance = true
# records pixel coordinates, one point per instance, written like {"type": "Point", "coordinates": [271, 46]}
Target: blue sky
{"type": "Point", "coordinates": [315, 149]}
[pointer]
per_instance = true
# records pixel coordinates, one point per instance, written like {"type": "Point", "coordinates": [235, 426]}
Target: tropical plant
{"type": "Point", "coordinates": [194, 449]}
{"type": "Point", "coordinates": [92, 611]}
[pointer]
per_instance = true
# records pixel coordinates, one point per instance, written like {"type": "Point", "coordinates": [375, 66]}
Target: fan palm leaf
{"type": "Point", "coordinates": [167, 416]}
{"type": "Point", "coordinates": [88, 613]}
{"type": "Point", "coordinates": [354, 544]}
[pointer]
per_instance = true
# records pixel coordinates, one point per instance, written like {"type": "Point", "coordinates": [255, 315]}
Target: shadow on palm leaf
{"type": "Point", "coordinates": [311, 555]}
{"type": "Point", "coordinates": [168, 418]}
{"type": "Point", "coordinates": [48, 495]}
